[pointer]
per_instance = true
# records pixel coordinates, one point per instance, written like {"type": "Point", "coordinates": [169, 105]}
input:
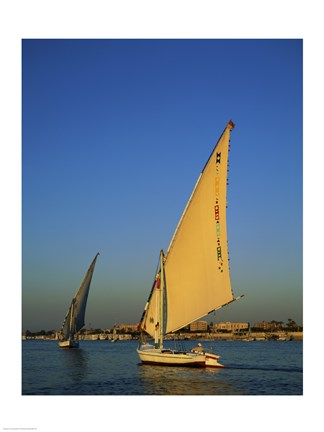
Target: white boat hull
{"type": "Point", "coordinates": [168, 357]}
{"type": "Point", "coordinates": [69, 344]}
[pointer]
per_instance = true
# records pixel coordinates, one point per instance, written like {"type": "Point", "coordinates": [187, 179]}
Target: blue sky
{"type": "Point", "coordinates": [115, 133]}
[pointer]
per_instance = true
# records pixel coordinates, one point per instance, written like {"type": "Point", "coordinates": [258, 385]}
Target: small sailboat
{"type": "Point", "coordinates": [193, 277]}
{"type": "Point", "coordinates": [74, 320]}
{"type": "Point", "coordinates": [115, 336]}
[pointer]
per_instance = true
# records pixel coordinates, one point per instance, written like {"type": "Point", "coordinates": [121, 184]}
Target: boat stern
{"type": "Point", "coordinates": [211, 360]}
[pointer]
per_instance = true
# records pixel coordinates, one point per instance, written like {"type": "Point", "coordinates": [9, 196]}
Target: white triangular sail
{"type": "Point", "coordinates": [74, 320]}
{"type": "Point", "coordinates": [197, 277]}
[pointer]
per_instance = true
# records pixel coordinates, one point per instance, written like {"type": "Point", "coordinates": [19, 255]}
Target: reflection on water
{"type": "Point", "coordinates": [75, 363]}
{"type": "Point", "coordinates": [168, 380]}
{"type": "Point", "coordinates": [48, 369]}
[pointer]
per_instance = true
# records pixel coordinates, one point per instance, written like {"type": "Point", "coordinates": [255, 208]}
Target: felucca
{"type": "Point", "coordinates": [115, 336]}
{"type": "Point", "coordinates": [74, 320]}
{"type": "Point", "coordinates": [193, 277]}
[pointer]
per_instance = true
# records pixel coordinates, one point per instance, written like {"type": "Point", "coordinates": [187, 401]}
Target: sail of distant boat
{"type": "Point", "coordinates": [115, 336]}
{"type": "Point", "coordinates": [193, 278]}
{"type": "Point", "coordinates": [75, 317]}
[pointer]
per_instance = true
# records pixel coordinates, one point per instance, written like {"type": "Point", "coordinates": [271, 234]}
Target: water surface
{"type": "Point", "coordinates": [105, 368]}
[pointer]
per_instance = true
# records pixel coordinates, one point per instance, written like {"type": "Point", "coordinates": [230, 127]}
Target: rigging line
{"type": "Point", "coordinates": [182, 216]}
{"type": "Point", "coordinates": [226, 304]}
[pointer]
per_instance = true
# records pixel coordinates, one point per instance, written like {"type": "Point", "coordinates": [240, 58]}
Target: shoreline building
{"type": "Point", "coordinates": [231, 327]}
{"type": "Point", "coordinates": [199, 326]}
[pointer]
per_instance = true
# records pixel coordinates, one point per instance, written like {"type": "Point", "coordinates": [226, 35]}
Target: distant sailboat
{"type": "Point", "coordinates": [115, 336]}
{"type": "Point", "coordinates": [74, 320]}
{"type": "Point", "coordinates": [193, 277]}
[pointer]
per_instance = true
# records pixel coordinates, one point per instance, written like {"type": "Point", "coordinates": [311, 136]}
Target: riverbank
{"type": "Point", "coordinates": [254, 336]}
{"type": "Point", "coordinates": [280, 336]}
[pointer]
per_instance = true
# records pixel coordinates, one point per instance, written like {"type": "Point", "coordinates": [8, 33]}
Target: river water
{"type": "Point", "coordinates": [105, 368]}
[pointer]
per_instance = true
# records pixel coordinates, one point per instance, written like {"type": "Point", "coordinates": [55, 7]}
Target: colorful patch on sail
{"type": "Point", "coordinates": [217, 211]}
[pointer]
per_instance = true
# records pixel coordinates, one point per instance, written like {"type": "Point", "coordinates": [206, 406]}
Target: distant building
{"type": "Point", "coordinates": [128, 327]}
{"type": "Point", "coordinates": [198, 326]}
{"type": "Point", "coordinates": [231, 326]}
{"type": "Point", "coordinates": [264, 325]}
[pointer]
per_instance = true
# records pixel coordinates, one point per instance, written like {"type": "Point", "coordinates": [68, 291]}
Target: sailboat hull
{"type": "Point", "coordinates": [166, 357]}
{"type": "Point", "coordinates": [69, 344]}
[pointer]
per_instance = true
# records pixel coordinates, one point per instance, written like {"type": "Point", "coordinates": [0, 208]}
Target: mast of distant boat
{"type": "Point", "coordinates": [71, 320]}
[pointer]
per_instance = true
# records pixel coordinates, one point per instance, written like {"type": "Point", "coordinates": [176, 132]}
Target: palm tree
{"type": "Point", "coordinates": [274, 325]}
{"type": "Point", "coordinates": [291, 324]}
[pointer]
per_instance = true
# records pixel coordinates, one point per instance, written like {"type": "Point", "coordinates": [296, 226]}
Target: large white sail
{"type": "Point", "coordinates": [74, 319]}
{"type": "Point", "coordinates": [196, 263]}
